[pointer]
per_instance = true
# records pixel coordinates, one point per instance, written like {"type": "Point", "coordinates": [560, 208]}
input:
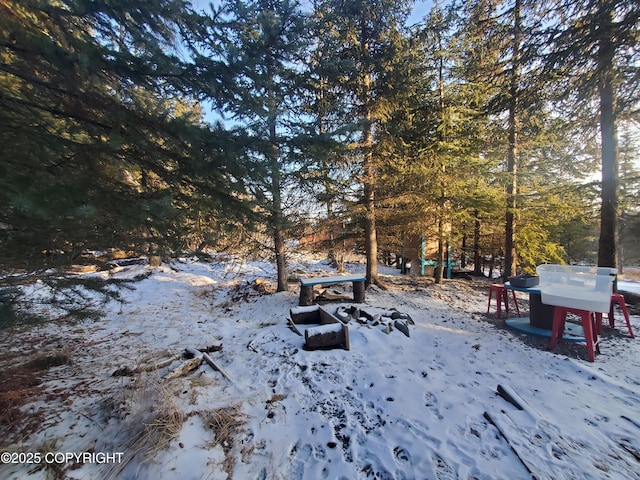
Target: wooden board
{"type": "Point", "coordinates": [305, 315]}
{"type": "Point", "coordinates": [330, 335]}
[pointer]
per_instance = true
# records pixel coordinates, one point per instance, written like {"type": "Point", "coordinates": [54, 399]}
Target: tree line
{"type": "Point", "coordinates": [159, 126]}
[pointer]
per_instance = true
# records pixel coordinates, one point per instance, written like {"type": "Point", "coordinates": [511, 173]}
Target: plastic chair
{"type": "Point", "coordinates": [501, 297]}
{"type": "Point", "coordinates": [588, 326]}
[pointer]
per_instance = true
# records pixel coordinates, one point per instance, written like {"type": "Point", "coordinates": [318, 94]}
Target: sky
{"type": "Point", "coordinates": [420, 9]}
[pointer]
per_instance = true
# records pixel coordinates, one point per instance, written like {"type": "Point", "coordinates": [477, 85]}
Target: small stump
{"type": "Point", "coordinates": [306, 295]}
{"type": "Point", "coordinates": [358, 292]}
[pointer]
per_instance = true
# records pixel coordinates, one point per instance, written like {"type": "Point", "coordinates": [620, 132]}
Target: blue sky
{"type": "Point", "coordinates": [420, 9]}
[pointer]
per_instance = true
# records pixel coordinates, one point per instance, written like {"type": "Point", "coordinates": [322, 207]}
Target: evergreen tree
{"type": "Point", "coordinates": [100, 147]}
{"type": "Point", "coordinates": [482, 80]}
{"type": "Point", "coordinates": [326, 178]}
{"type": "Point", "coordinates": [262, 45]}
{"type": "Point", "coordinates": [629, 196]}
{"type": "Point", "coordinates": [447, 171]}
{"type": "Point", "coordinates": [513, 102]}
{"type": "Point", "coordinates": [522, 119]}
{"type": "Point", "coordinates": [367, 39]}
{"type": "Point", "coordinates": [594, 49]}
{"type": "Point", "coordinates": [479, 47]}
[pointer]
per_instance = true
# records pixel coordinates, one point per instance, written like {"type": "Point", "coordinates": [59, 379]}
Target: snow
{"type": "Point", "coordinates": [322, 329]}
{"type": "Point", "coordinates": [629, 286]}
{"type": "Point", "coordinates": [333, 279]}
{"type": "Point", "coordinates": [304, 309]}
{"type": "Point", "coordinates": [391, 407]}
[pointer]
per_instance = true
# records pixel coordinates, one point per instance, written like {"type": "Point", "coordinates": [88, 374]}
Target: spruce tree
{"type": "Point", "coordinates": [367, 41]}
{"type": "Point", "coordinates": [99, 138]}
{"type": "Point", "coordinates": [261, 45]}
{"type": "Point", "coordinates": [478, 47]}
{"type": "Point", "coordinates": [446, 170]}
{"type": "Point", "coordinates": [593, 49]}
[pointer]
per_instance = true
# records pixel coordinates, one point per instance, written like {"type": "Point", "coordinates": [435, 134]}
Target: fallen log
{"type": "Point", "coordinates": [503, 434]}
{"type": "Point", "coordinates": [128, 372]}
{"type": "Point", "coordinates": [631, 420]}
{"type": "Point", "coordinates": [207, 358]}
{"type": "Point", "coordinates": [157, 366]}
{"type": "Point", "coordinates": [185, 368]}
{"type": "Point", "coordinates": [510, 396]}
{"type": "Point", "coordinates": [626, 445]}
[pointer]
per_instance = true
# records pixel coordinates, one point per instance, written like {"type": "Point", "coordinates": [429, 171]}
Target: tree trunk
{"type": "Point", "coordinates": [477, 258]}
{"type": "Point", "coordinates": [439, 270]}
{"type": "Point", "coordinates": [277, 216]}
{"type": "Point", "coordinates": [510, 259]}
{"type": "Point", "coordinates": [278, 230]}
{"type": "Point", "coordinates": [463, 254]}
{"type": "Point", "coordinates": [609, 235]}
{"type": "Point", "coordinates": [281, 264]}
{"type": "Point", "coordinates": [369, 180]}
{"type": "Point", "coordinates": [370, 236]}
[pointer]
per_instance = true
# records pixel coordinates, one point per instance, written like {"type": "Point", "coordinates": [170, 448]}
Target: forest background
{"type": "Point", "coordinates": [502, 129]}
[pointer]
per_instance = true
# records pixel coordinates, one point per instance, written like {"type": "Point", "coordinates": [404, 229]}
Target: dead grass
{"type": "Point", "coordinates": [54, 470]}
{"type": "Point", "coordinates": [164, 427]}
{"type": "Point", "coordinates": [226, 423]}
{"type": "Point", "coordinates": [630, 274]}
{"type": "Point", "coordinates": [151, 420]}
{"type": "Point", "coordinates": [276, 397]}
{"type": "Point", "coordinates": [19, 385]}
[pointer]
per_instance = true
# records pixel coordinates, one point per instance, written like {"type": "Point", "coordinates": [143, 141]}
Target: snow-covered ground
{"type": "Point", "coordinates": [629, 286]}
{"type": "Point", "coordinates": [391, 407]}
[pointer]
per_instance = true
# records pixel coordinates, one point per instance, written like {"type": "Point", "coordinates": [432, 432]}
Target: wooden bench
{"type": "Point", "coordinates": [307, 284]}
